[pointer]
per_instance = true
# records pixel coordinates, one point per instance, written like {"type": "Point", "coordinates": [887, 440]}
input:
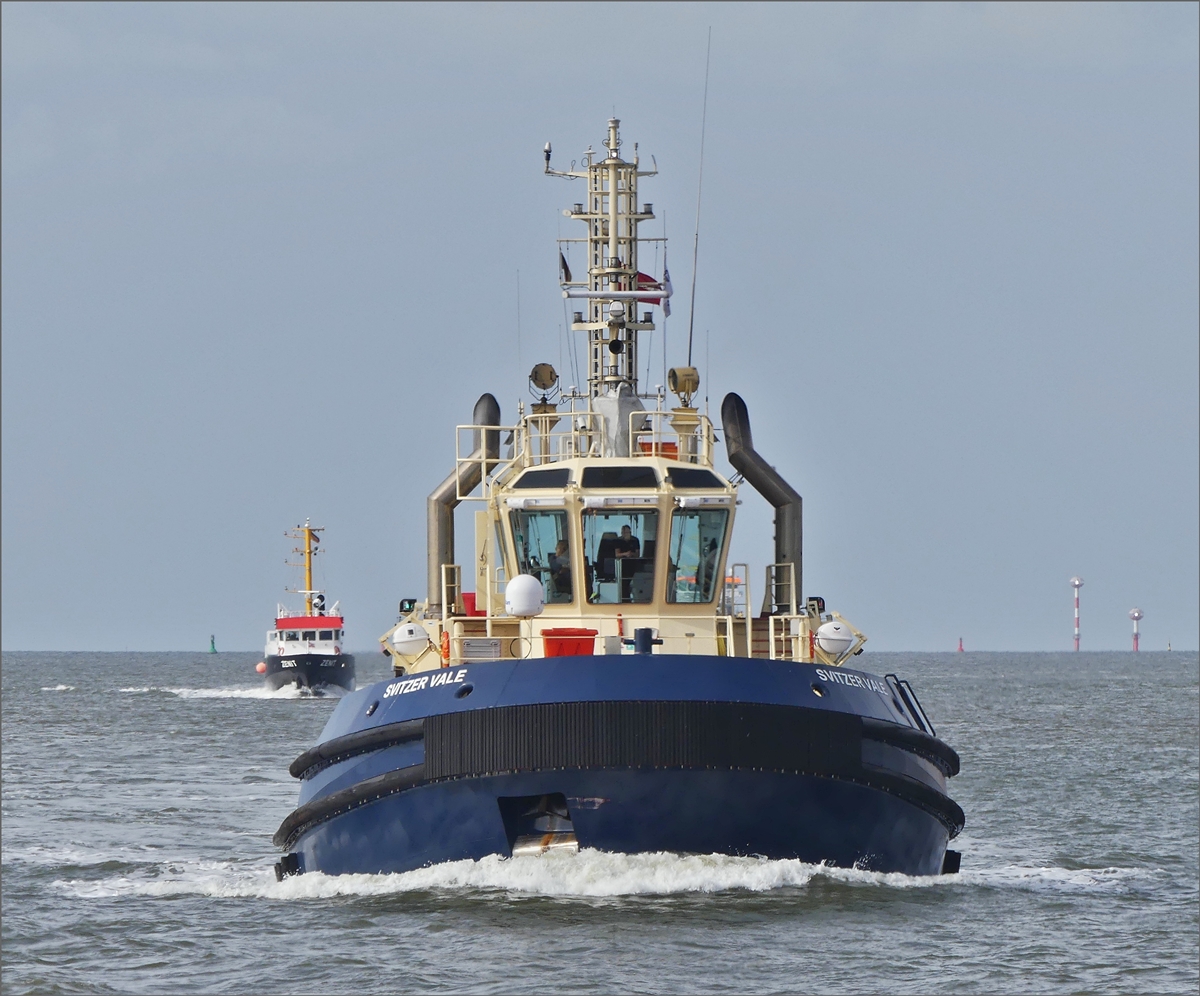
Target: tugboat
{"type": "Point", "coordinates": [607, 683]}
{"type": "Point", "coordinates": [306, 650]}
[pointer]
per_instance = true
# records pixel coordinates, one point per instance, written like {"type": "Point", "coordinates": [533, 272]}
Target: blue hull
{"type": "Point", "coordinates": [642, 753]}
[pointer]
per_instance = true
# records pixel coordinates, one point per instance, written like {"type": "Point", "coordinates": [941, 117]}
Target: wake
{"type": "Point", "coordinates": [254, 692]}
{"type": "Point", "coordinates": [589, 874]}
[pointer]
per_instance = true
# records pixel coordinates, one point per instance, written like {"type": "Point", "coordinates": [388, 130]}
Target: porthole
{"type": "Point", "coordinates": [818, 689]}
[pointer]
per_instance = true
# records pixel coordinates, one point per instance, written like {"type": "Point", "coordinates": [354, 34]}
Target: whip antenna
{"type": "Point", "coordinates": [699, 187]}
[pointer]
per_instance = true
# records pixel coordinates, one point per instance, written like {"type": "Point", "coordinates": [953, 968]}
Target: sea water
{"type": "Point", "coordinates": [140, 793]}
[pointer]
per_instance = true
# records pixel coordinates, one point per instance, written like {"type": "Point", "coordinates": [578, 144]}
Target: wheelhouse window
{"type": "Point", "coordinates": [292, 634]}
{"type": "Point", "coordinates": [310, 634]}
{"type": "Point", "coordinates": [692, 477]}
{"type": "Point", "coordinates": [619, 477]}
{"type": "Point", "coordinates": [326, 634]}
{"type": "Point", "coordinates": [618, 552]}
{"type": "Point", "coordinates": [556, 477]}
{"type": "Point", "coordinates": [695, 554]}
{"type": "Point", "coordinates": [543, 550]}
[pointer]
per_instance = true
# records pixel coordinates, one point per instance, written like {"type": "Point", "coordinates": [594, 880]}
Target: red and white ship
{"type": "Point", "coordinates": [306, 650]}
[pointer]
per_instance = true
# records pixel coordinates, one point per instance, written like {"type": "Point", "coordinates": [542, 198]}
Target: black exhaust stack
{"type": "Point", "coordinates": [439, 506]}
{"type": "Point", "coordinates": [789, 508]}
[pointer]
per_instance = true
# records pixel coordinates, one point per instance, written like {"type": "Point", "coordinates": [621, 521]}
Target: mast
{"type": "Point", "coordinates": [309, 534]}
{"type": "Point", "coordinates": [611, 295]}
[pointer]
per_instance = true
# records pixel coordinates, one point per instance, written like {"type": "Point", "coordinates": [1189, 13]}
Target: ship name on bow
{"type": "Point", "coordinates": [425, 681]}
{"type": "Point", "coordinates": [854, 681]}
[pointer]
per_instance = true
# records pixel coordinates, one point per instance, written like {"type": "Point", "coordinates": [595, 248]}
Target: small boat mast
{"type": "Point", "coordinates": [313, 598]}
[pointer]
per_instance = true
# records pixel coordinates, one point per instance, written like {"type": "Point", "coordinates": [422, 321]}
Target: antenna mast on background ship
{"type": "Point", "coordinates": [311, 539]}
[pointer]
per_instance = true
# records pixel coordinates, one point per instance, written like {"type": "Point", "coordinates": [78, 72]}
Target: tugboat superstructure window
{"type": "Point", "coordinates": [555, 477]}
{"type": "Point", "coordinates": [693, 477]}
{"type": "Point", "coordinates": [619, 477]}
{"type": "Point", "coordinates": [695, 552]}
{"type": "Point", "coordinates": [618, 555]}
{"type": "Point", "coordinates": [543, 550]}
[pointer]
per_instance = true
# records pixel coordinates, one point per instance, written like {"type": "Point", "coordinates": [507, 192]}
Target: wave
{"type": "Point", "coordinates": [59, 688]}
{"type": "Point", "coordinates": [77, 855]}
{"type": "Point", "coordinates": [587, 875]}
{"type": "Point", "coordinates": [254, 692]}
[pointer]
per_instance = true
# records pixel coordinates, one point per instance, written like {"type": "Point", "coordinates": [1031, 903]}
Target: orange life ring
{"type": "Point", "coordinates": [445, 648]}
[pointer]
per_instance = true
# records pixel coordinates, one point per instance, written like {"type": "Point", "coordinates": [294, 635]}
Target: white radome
{"type": "Point", "coordinates": [523, 597]}
{"type": "Point", "coordinates": [409, 639]}
{"type": "Point", "coordinates": [834, 638]}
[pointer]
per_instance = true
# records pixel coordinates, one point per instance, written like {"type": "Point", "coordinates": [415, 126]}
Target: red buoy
{"type": "Point", "coordinates": [261, 667]}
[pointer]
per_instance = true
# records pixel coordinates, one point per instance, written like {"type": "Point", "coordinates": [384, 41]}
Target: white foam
{"type": "Point", "coordinates": [254, 692]}
{"type": "Point", "coordinates": [51, 855]}
{"type": "Point", "coordinates": [588, 874]}
{"type": "Point", "coordinates": [60, 688]}
{"type": "Point", "coordinates": [1050, 879]}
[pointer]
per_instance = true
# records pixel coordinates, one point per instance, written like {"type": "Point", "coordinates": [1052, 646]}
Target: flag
{"type": "Point", "coordinates": [566, 270]}
{"type": "Point", "coordinates": [666, 285]}
{"type": "Point", "coordinates": [646, 282]}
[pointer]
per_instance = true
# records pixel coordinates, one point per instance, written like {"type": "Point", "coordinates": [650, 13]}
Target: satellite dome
{"type": "Point", "coordinates": [523, 597]}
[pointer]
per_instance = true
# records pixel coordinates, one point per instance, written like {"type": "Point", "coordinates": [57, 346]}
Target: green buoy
{"type": "Point", "coordinates": [212, 644]}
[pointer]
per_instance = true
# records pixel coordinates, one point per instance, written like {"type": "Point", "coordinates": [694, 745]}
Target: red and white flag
{"type": "Point", "coordinates": [645, 282]}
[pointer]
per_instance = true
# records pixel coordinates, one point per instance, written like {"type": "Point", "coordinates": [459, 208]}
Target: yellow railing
{"type": "Point", "coordinates": [668, 434]}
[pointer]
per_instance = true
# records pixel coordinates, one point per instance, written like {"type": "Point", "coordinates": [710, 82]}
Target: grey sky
{"type": "Point", "coordinates": [259, 259]}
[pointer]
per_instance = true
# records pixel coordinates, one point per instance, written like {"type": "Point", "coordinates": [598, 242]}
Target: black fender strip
{"type": "Point", "coordinates": [939, 806]}
{"type": "Point", "coordinates": [337, 803]}
{"type": "Point", "coordinates": [363, 742]}
{"type": "Point", "coordinates": [906, 738]}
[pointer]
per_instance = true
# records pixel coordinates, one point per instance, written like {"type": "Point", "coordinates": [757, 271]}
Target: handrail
{"type": "Point", "coordinates": [542, 438]}
{"type": "Point", "coordinates": [451, 582]}
{"type": "Point", "coordinates": [648, 437]}
{"type": "Point", "coordinates": [488, 467]}
{"type": "Point", "coordinates": [783, 592]}
{"type": "Point", "coordinates": [711, 627]}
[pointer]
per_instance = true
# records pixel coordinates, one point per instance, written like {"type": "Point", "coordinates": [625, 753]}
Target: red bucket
{"type": "Point", "coordinates": [568, 642]}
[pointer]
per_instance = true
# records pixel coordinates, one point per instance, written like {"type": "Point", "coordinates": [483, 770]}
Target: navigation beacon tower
{"type": "Point", "coordinates": [1137, 616]}
{"type": "Point", "coordinates": [1076, 583]}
